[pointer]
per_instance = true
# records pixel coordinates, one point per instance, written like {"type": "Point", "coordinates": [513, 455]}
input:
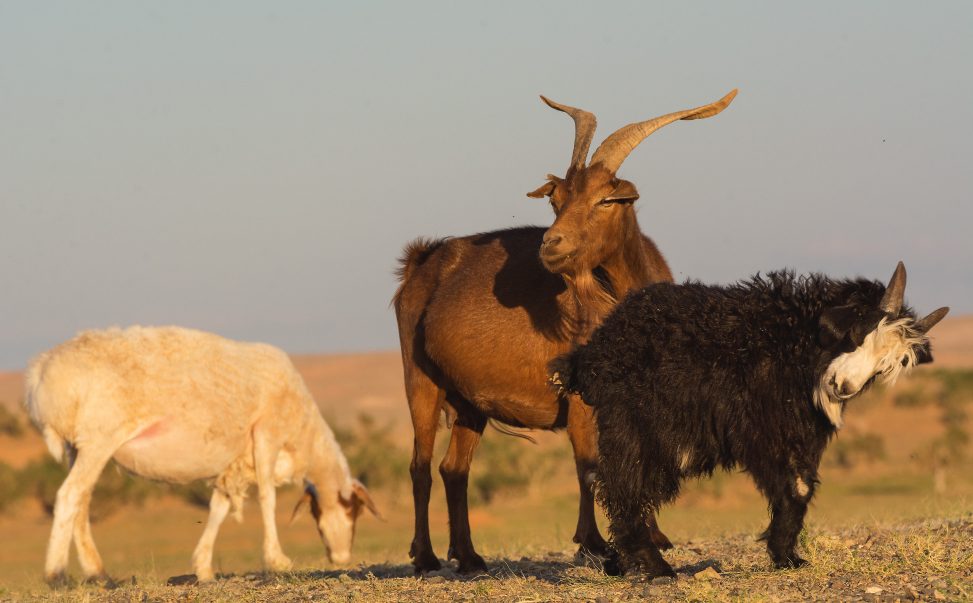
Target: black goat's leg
{"type": "Point", "coordinates": [636, 551]}
{"type": "Point", "coordinates": [788, 506]}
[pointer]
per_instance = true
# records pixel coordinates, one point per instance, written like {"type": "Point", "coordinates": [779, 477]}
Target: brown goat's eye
{"type": "Point", "coordinates": [606, 202]}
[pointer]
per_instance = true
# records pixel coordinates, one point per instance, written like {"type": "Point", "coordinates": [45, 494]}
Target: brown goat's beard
{"type": "Point", "coordinates": [592, 303]}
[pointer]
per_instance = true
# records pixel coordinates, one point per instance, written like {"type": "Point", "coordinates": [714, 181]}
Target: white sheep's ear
{"type": "Point", "coordinates": [310, 498]}
{"type": "Point", "coordinates": [359, 491]}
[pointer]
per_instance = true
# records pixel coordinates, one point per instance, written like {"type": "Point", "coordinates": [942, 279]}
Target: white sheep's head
{"type": "Point", "coordinates": [335, 515]}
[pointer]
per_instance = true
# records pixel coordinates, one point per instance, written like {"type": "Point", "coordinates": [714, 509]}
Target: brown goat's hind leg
{"type": "Point", "coordinates": [455, 470]}
{"type": "Point", "coordinates": [425, 404]}
{"type": "Point", "coordinates": [584, 440]}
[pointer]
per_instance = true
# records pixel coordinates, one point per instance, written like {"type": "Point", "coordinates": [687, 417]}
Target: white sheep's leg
{"type": "Point", "coordinates": [88, 555]}
{"type": "Point", "coordinates": [219, 506]}
{"type": "Point", "coordinates": [77, 488]}
{"type": "Point", "coordinates": [265, 459]}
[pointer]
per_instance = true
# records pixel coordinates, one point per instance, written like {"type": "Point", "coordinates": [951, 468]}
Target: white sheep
{"type": "Point", "coordinates": [178, 405]}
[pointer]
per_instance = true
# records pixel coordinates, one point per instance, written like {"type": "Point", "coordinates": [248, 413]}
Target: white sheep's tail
{"type": "Point", "coordinates": [56, 445]}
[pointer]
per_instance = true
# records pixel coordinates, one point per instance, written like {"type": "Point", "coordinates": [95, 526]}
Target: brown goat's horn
{"type": "Point", "coordinates": [892, 300]}
{"type": "Point", "coordinates": [616, 147]}
{"type": "Point", "coordinates": [584, 131]}
{"type": "Point", "coordinates": [931, 319]}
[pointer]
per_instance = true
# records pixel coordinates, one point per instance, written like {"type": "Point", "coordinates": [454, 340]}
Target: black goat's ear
{"type": "Point", "coordinates": [834, 325]}
{"type": "Point", "coordinates": [923, 354]}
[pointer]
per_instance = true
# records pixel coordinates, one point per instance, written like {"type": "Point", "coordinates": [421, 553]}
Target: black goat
{"type": "Point", "coordinates": [688, 378]}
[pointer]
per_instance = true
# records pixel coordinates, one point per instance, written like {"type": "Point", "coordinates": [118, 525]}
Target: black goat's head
{"type": "Point", "coordinates": [862, 342]}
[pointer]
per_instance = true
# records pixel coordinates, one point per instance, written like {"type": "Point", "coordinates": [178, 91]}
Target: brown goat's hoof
{"type": "Point", "coordinates": [595, 549]}
{"type": "Point", "coordinates": [474, 564]}
{"type": "Point", "coordinates": [426, 562]}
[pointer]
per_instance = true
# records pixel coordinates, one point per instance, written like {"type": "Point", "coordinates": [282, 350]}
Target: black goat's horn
{"type": "Point", "coordinates": [924, 324]}
{"type": "Point", "coordinates": [892, 300]}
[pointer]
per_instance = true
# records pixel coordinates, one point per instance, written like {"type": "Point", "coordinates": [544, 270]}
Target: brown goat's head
{"type": "Point", "coordinates": [593, 208]}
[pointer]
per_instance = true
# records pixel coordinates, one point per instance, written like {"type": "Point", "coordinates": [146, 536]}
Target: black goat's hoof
{"type": "Point", "coordinates": [790, 562]}
{"type": "Point", "coordinates": [660, 540]}
{"type": "Point", "coordinates": [612, 566]}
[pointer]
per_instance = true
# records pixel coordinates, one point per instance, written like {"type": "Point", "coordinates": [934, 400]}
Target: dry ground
{"type": "Point", "coordinates": [928, 560]}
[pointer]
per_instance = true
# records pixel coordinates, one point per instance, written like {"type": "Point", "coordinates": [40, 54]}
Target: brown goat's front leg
{"type": "Point", "coordinates": [455, 471]}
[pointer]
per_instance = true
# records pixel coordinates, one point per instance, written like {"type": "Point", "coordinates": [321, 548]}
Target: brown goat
{"type": "Point", "coordinates": [481, 316]}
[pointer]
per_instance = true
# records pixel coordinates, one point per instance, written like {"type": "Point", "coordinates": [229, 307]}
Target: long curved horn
{"type": "Point", "coordinates": [892, 300]}
{"type": "Point", "coordinates": [924, 324]}
{"type": "Point", "coordinates": [616, 147]}
{"type": "Point", "coordinates": [584, 131]}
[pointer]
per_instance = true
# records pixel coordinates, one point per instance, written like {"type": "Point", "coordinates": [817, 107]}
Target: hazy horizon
{"type": "Point", "coordinates": [255, 169]}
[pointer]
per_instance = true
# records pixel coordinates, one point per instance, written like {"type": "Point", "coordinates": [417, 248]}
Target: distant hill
{"type": "Point", "coordinates": [347, 384]}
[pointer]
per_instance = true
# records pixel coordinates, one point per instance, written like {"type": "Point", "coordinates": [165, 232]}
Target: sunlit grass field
{"type": "Point", "coordinates": [902, 458]}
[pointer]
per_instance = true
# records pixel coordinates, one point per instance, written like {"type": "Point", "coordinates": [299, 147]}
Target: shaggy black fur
{"type": "Point", "coordinates": [688, 378]}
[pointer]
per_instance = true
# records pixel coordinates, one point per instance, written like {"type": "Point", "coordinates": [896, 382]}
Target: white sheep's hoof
{"type": "Point", "coordinates": [205, 575]}
{"type": "Point", "coordinates": [279, 563]}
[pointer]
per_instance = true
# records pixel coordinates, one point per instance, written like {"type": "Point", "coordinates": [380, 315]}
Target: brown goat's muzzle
{"type": "Point", "coordinates": [557, 260]}
{"type": "Point", "coordinates": [557, 252]}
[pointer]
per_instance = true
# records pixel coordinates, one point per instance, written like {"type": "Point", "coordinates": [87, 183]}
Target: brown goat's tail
{"type": "Point", "coordinates": [510, 431]}
{"type": "Point", "coordinates": [415, 254]}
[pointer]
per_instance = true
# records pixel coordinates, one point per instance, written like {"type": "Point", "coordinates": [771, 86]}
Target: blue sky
{"type": "Point", "coordinates": [255, 168]}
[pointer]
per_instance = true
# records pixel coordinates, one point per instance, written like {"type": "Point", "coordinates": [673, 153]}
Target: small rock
{"type": "Point", "coordinates": [662, 580]}
{"type": "Point", "coordinates": [435, 579]}
{"type": "Point", "coordinates": [938, 596]}
{"type": "Point", "coordinates": [344, 578]}
{"type": "Point", "coordinates": [911, 592]}
{"type": "Point", "coordinates": [653, 591]}
{"type": "Point", "coordinates": [709, 574]}
{"type": "Point", "coordinates": [874, 590]}
{"type": "Point", "coordinates": [602, 600]}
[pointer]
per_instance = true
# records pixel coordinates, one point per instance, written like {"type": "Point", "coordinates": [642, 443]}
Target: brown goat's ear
{"type": "Point", "coordinates": [547, 189]}
{"type": "Point", "coordinates": [310, 497]}
{"type": "Point", "coordinates": [544, 191]}
{"type": "Point", "coordinates": [360, 492]}
{"type": "Point", "coordinates": [625, 191]}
